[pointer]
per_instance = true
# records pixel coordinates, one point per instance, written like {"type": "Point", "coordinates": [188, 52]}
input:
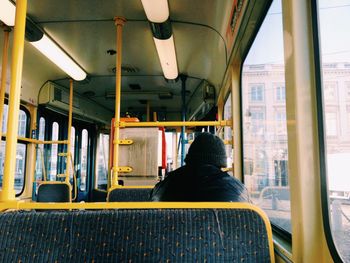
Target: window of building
{"type": "Point", "coordinates": [102, 161]}
{"type": "Point", "coordinates": [257, 122]}
{"type": "Point", "coordinates": [257, 93]}
{"type": "Point", "coordinates": [83, 159]}
{"type": "Point", "coordinates": [265, 150]}
{"type": "Point", "coordinates": [280, 119]}
{"type": "Point", "coordinates": [334, 22]}
{"type": "Point", "coordinates": [280, 93]}
{"type": "Point", "coordinates": [347, 89]}
{"type": "Point", "coordinates": [330, 91]}
{"type": "Point", "coordinates": [331, 124]}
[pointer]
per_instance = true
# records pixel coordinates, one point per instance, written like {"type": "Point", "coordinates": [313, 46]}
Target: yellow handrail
{"type": "Point", "coordinates": [174, 123]}
{"type": "Point", "coordinates": [3, 72]}
{"type": "Point", "coordinates": [119, 22]}
{"type": "Point", "coordinates": [35, 141]}
{"type": "Point", "coordinates": [8, 192]}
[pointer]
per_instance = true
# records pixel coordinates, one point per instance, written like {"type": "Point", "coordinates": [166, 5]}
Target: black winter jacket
{"type": "Point", "coordinates": [201, 183]}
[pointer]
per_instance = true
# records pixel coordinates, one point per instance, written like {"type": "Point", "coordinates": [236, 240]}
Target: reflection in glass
{"type": "Point", "coordinates": [83, 160]}
{"type": "Point", "coordinates": [265, 145]}
{"type": "Point", "coordinates": [102, 161]}
{"type": "Point", "coordinates": [335, 48]}
{"type": "Point", "coordinates": [40, 161]}
{"type": "Point", "coordinates": [20, 165]}
{"type": "Point", "coordinates": [54, 151]}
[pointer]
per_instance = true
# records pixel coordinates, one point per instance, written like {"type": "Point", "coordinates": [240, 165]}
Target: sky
{"type": "Point", "coordinates": [334, 26]}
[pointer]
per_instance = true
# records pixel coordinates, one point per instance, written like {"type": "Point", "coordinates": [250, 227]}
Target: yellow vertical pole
{"type": "Point", "coordinates": [148, 111]}
{"type": "Point", "coordinates": [3, 72]}
{"type": "Point", "coordinates": [68, 158]}
{"type": "Point", "coordinates": [155, 118]}
{"type": "Point", "coordinates": [8, 192]}
{"type": "Point", "coordinates": [119, 22]}
{"type": "Point", "coordinates": [220, 109]}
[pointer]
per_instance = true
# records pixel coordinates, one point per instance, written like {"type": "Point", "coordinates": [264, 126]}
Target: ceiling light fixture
{"type": "Point", "coordinates": [53, 52]}
{"type": "Point", "coordinates": [157, 12]}
{"type": "Point", "coordinates": [7, 12]}
{"type": "Point", "coordinates": [44, 44]}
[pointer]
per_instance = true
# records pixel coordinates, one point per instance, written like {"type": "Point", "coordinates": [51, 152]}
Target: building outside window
{"type": "Point", "coordinates": [257, 93]}
{"type": "Point", "coordinates": [280, 94]}
{"type": "Point", "coordinates": [331, 124]}
{"type": "Point", "coordinates": [330, 91]}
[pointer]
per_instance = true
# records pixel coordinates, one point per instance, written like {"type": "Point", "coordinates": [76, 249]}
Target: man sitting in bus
{"type": "Point", "coordinates": [202, 179]}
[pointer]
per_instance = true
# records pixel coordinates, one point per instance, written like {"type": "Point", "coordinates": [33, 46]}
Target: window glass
{"type": "Point", "coordinates": [20, 165]}
{"type": "Point", "coordinates": [72, 145]}
{"type": "Point", "coordinates": [83, 160]}
{"type": "Point", "coordinates": [265, 148]}
{"type": "Point", "coordinates": [228, 132]}
{"type": "Point", "coordinates": [102, 161]}
{"type": "Point", "coordinates": [256, 92]}
{"type": "Point", "coordinates": [20, 152]}
{"type": "Point", "coordinates": [22, 122]}
{"type": "Point", "coordinates": [54, 148]}
{"type": "Point", "coordinates": [334, 23]}
{"type": "Point", "coordinates": [280, 92]}
{"type": "Point", "coordinates": [40, 162]}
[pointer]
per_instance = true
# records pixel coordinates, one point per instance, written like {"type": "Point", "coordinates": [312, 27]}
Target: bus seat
{"type": "Point", "coordinates": [129, 195]}
{"type": "Point", "coordinates": [137, 235]}
{"type": "Point", "coordinates": [54, 192]}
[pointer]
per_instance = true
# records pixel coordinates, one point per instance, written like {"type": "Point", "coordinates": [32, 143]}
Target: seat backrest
{"type": "Point", "coordinates": [129, 195]}
{"type": "Point", "coordinates": [54, 192]}
{"type": "Point", "coordinates": [136, 235]}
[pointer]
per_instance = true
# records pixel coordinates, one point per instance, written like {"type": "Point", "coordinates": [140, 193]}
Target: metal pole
{"type": "Point", "coordinates": [183, 117]}
{"type": "Point", "coordinates": [119, 22]}
{"type": "Point", "coordinates": [68, 158]}
{"type": "Point", "coordinates": [8, 192]}
{"type": "Point", "coordinates": [3, 73]}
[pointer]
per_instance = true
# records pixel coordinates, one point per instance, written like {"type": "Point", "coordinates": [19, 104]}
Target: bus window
{"type": "Point", "coordinates": [20, 152]}
{"type": "Point", "coordinates": [265, 147]}
{"type": "Point", "coordinates": [102, 161]}
{"type": "Point", "coordinates": [72, 146]}
{"type": "Point", "coordinates": [228, 132]}
{"type": "Point", "coordinates": [54, 151]}
{"type": "Point", "coordinates": [83, 160]}
{"type": "Point", "coordinates": [335, 55]}
{"type": "Point", "coordinates": [40, 151]}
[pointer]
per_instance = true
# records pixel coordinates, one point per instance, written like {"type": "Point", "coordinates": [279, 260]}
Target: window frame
{"type": "Point", "coordinates": [50, 117]}
{"type": "Point", "coordinates": [285, 235]}
{"type": "Point", "coordinates": [256, 86]}
{"type": "Point", "coordinates": [3, 138]}
{"type": "Point", "coordinates": [322, 134]}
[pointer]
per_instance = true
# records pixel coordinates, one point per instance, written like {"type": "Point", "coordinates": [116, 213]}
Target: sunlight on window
{"type": "Point", "coordinates": [265, 145]}
{"type": "Point", "coordinates": [335, 54]}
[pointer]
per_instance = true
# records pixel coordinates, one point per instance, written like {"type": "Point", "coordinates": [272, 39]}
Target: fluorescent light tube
{"type": "Point", "coordinates": [53, 52]}
{"type": "Point", "coordinates": [167, 56]}
{"type": "Point", "coordinates": [157, 11]}
{"type": "Point", "coordinates": [7, 12]}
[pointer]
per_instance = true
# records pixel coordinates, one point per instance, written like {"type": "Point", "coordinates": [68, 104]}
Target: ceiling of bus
{"type": "Point", "coordinates": [85, 30]}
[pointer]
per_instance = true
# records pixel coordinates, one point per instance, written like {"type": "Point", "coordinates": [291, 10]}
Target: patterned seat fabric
{"type": "Point", "coordinates": [140, 235]}
{"type": "Point", "coordinates": [130, 195]}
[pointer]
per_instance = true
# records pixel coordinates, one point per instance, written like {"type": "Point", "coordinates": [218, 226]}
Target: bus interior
{"type": "Point", "coordinates": [100, 100]}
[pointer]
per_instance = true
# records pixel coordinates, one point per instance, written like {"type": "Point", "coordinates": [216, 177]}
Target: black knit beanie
{"type": "Point", "coordinates": [207, 149]}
